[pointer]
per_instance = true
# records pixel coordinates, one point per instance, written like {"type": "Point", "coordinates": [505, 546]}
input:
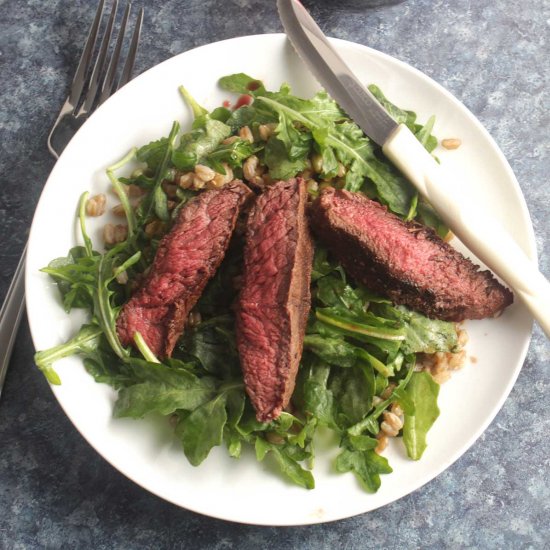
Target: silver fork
{"type": "Point", "coordinates": [93, 82]}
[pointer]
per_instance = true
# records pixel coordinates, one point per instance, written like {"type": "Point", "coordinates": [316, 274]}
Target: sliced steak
{"type": "Point", "coordinates": [404, 261]}
{"type": "Point", "coordinates": [186, 259]}
{"type": "Point", "coordinates": [275, 299]}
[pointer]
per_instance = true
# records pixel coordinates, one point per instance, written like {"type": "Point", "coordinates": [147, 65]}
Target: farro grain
{"type": "Point", "coordinates": [95, 206]}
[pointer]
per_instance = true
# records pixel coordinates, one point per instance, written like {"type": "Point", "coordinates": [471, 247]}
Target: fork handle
{"type": "Point", "coordinates": [10, 316]}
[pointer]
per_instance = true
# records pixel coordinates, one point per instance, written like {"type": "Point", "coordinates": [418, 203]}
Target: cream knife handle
{"type": "Point", "coordinates": [482, 234]}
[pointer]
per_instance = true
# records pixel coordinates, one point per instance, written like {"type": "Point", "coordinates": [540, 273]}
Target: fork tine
{"type": "Point", "coordinates": [85, 59]}
{"type": "Point", "coordinates": [93, 86]}
{"type": "Point", "coordinates": [103, 74]}
{"type": "Point", "coordinates": [132, 51]}
{"type": "Point", "coordinates": [109, 79]}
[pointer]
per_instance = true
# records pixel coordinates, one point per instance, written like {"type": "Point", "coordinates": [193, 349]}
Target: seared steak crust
{"type": "Point", "coordinates": [275, 298]}
{"type": "Point", "coordinates": [186, 259]}
{"type": "Point", "coordinates": [404, 261]}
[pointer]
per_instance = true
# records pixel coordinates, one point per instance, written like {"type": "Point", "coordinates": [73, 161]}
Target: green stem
{"type": "Point", "coordinates": [190, 100]}
{"type": "Point", "coordinates": [45, 359]}
{"type": "Point", "coordinates": [120, 191]}
{"type": "Point", "coordinates": [369, 422]}
{"type": "Point", "coordinates": [412, 208]}
{"type": "Point", "coordinates": [145, 350]}
{"type": "Point", "coordinates": [157, 189]}
{"type": "Point", "coordinates": [82, 219]}
{"type": "Point", "coordinates": [359, 328]}
{"type": "Point", "coordinates": [383, 369]}
{"type": "Point", "coordinates": [128, 263]}
{"type": "Point", "coordinates": [103, 311]}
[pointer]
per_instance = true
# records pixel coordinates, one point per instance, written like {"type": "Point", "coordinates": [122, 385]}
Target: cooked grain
{"type": "Point", "coordinates": [95, 206]}
{"type": "Point", "coordinates": [109, 234]}
{"type": "Point", "coordinates": [219, 180]}
{"type": "Point", "coordinates": [118, 210]}
{"type": "Point", "coordinates": [155, 228]}
{"type": "Point", "coordinates": [246, 134]}
{"type": "Point", "coordinates": [204, 173]}
{"type": "Point", "coordinates": [451, 143]}
{"type": "Point", "coordinates": [391, 424]}
{"type": "Point", "coordinates": [266, 130]}
{"type": "Point", "coordinates": [382, 443]}
{"type": "Point", "coordinates": [186, 180]}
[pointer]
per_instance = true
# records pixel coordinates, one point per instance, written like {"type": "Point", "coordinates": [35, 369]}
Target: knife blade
{"type": "Point", "coordinates": [333, 73]}
{"type": "Point", "coordinates": [484, 236]}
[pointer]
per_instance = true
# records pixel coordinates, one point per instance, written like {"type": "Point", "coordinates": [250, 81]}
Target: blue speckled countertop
{"type": "Point", "coordinates": [56, 492]}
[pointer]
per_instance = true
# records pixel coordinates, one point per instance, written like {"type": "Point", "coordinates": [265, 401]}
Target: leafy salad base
{"type": "Point", "coordinates": [99, 431]}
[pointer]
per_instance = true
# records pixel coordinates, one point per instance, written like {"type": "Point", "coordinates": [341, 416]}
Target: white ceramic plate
{"type": "Point", "coordinates": [243, 490]}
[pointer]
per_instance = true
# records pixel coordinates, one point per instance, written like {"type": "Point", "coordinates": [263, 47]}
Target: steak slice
{"type": "Point", "coordinates": [404, 261]}
{"type": "Point", "coordinates": [275, 299]}
{"type": "Point", "coordinates": [187, 257]}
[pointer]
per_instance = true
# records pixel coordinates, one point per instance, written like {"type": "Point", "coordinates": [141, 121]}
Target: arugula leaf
{"type": "Point", "coordinates": [350, 147]}
{"type": "Point", "coordinates": [165, 394]}
{"type": "Point", "coordinates": [248, 115]}
{"type": "Point", "coordinates": [318, 400]}
{"type": "Point", "coordinates": [360, 442]}
{"type": "Point", "coordinates": [86, 341]}
{"type": "Point", "coordinates": [153, 153]}
{"type": "Point", "coordinates": [86, 278]}
{"type": "Point", "coordinates": [424, 135]}
{"type": "Point", "coordinates": [203, 429]}
{"type": "Point", "coordinates": [297, 143]}
{"type": "Point", "coordinates": [156, 200]}
{"type": "Point", "coordinates": [348, 324]}
{"type": "Point", "coordinates": [366, 465]}
{"type": "Point", "coordinates": [241, 83]}
{"type": "Point", "coordinates": [399, 115]}
{"type": "Point", "coordinates": [233, 153]}
{"type": "Point", "coordinates": [277, 159]}
{"type": "Point", "coordinates": [199, 143]}
{"type": "Point", "coordinates": [103, 309]}
{"type": "Point", "coordinates": [235, 406]}
{"type": "Point", "coordinates": [292, 469]}
{"type": "Point", "coordinates": [213, 347]}
{"type": "Point", "coordinates": [105, 367]}
{"type": "Point", "coordinates": [197, 110]}
{"type": "Point", "coordinates": [288, 465]}
{"type": "Point", "coordinates": [333, 291]}
{"type": "Point", "coordinates": [75, 276]}
{"type": "Point", "coordinates": [428, 216]}
{"type": "Point", "coordinates": [248, 424]}
{"type": "Point", "coordinates": [321, 265]}
{"type": "Point", "coordinates": [429, 335]}
{"type": "Point", "coordinates": [423, 391]}
{"type": "Point", "coordinates": [370, 422]}
{"type": "Point", "coordinates": [261, 447]}
{"type": "Point", "coordinates": [321, 105]}
{"type": "Point", "coordinates": [335, 351]}
{"type": "Point", "coordinates": [422, 334]}
{"type": "Point", "coordinates": [353, 390]}
{"type": "Point", "coordinates": [392, 188]}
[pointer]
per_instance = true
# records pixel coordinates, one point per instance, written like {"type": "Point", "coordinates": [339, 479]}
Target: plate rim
{"type": "Point", "coordinates": [530, 245]}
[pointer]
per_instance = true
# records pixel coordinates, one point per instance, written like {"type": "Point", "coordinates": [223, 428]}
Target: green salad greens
{"type": "Point", "coordinates": [360, 351]}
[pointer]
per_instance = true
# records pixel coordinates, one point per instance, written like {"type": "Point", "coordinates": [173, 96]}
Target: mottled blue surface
{"type": "Point", "coordinates": [56, 492]}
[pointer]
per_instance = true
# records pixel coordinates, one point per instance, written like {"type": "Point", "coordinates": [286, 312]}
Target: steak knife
{"type": "Point", "coordinates": [485, 237]}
